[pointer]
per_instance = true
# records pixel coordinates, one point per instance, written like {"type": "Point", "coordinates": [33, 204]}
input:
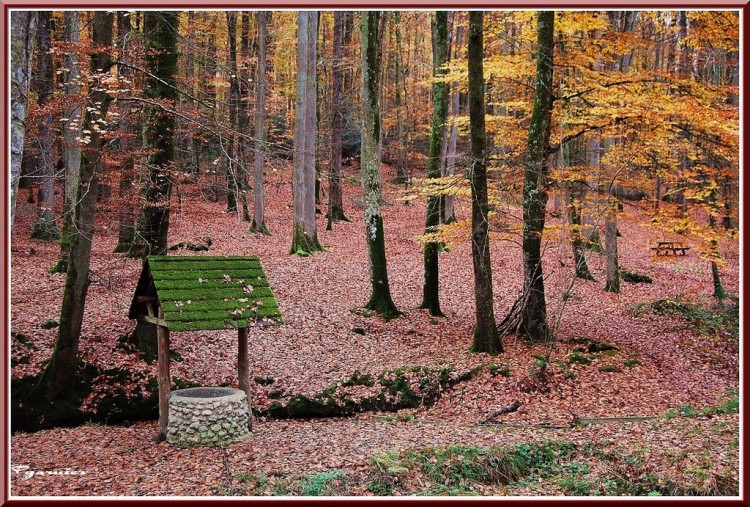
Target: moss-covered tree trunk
{"type": "Point", "coordinates": [160, 35]}
{"type": "Point", "coordinates": [60, 373]}
{"type": "Point", "coordinates": [335, 192]}
{"type": "Point", "coordinates": [534, 311]}
{"type": "Point", "coordinates": [431, 286]}
{"type": "Point", "coordinates": [259, 206]}
{"type": "Point", "coordinates": [486, 336]}
{"type": "Point", "coordinates": [44, 227]}
{"type": "Point", "coordinates": [22, 33]}
{"type": "Point", "coordinates": [380, 299]}
{"type": "Point", "coordinates": [305, 234]}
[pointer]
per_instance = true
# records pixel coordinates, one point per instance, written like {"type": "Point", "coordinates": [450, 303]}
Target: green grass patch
{"type": "Point", "coordinates": [465, 470]}
{"type": "Point", "coordinates": [322, 483]}
{"type": "Point", "coordinates": [728, 403]}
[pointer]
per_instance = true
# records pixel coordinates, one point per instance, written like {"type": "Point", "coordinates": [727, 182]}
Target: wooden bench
{"type": "Point", "coordinates": [665, 247]}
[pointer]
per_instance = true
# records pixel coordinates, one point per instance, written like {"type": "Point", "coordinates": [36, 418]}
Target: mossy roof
{"type": "Point", "coordinates": [206, 292]}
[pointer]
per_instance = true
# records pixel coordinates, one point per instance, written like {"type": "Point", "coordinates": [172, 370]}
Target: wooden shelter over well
{"type": "Point", "coordinates": [186, 293]}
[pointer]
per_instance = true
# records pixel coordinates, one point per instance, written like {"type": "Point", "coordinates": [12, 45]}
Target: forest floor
{"type": "Point", "coordinates": [577, 431]}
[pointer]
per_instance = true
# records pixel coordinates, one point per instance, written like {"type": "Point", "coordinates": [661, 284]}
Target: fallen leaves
{"type": "Point", "coordinates": [321, 298]}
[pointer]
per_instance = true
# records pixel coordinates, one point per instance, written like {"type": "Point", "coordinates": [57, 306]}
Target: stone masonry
{"type": "Point", "coordinates": [210, 416]}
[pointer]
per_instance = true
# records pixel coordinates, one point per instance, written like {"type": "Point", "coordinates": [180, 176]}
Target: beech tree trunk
{"type": "Point", "coordinates": [259, 206]}
{"type": "Point", "coordinates": [575, 196]}
{"type": "Point", "coordinates": [130, 121]}
{"type": "Point", "coordinates": [22, 33]}
{"type": "Point", "coordinates": [71, 132]}
{"type": "Point", "coordinates": [236, 164]}
{"type": "Point", "coordinates": [45, 227]}
{"type": "Point", "coordinates": [60, 374]}
{"type": "Point", "coordinates": [304, 235]}
{"type": "Point", "coordinates": [401, 176]}
{"type": "Point", "coordinates": [486, 336]}
{"type": "Point", "coordinates": [380, 299]}
{"type": "Point", "coordinates": [535, 193]}
{"type": "Point", "coordinates": [431, 286]}
{"type": "Point", "coordinates": [449, 159]}
{"type": "Point", "coordinates": [335, 193]}
{"type": "Point", "coordinates": [156, 188]}
{"type": "Point", "coordinates": [610, 245]}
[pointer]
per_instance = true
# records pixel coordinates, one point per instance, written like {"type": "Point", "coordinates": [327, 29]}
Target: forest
{"type": "Point", "coordinates": [374, 253]}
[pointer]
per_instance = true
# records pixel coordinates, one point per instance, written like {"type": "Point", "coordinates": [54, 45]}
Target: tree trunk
{"type": "Point", "coordinates": [534, 322]}
{"type": "Point", "coordinates": [259, 206]}
{"type": "Point", "coordinates": [23, 33]}
{"type": "Point", "coordinates": [380, 299]}
{"type": "Point", "coordinates": [575, 196]}
{"type": "Point", "coordinates": [610, 245]}
{"type": "Point", "coordinates": [486, 337]}
{"type": "Point", "coordinates": [719, 292]}
{"type": "Point", "coordinates": [193, 159]}
{"type": "Point", "coordinates": [161, 60]}
{"type": "Point", "coordinates": [130, 125]}
{"type": "Point", "coordinates": [401, 176]}
{"type": "Point", "coordinates": [431, 287]}
{"type": "Point", "coordinates": [335, 193]}
{"type": "Point", "coordinates": [449, 162]}
{"type": "Point", "coordinates": [305, 236]}
{"type": "Point", "coordinates": [60, 373]}
{"type": "Point", "coordinates": [45, 227]}
{"type": "Point", "coordinates": [71, 132]}
{"type": "Point", "coordinates": [236, 164]}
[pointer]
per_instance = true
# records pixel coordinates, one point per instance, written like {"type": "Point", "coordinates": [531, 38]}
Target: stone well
{"type": "Point", "coordinates": [207, 416]}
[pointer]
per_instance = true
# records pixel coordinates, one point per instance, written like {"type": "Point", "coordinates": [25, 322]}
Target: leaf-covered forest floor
{"type": "Point", "coordinates": [663, 362]}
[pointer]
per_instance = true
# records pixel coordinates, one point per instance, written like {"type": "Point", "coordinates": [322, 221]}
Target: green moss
{"type": "Point", "coordinates": [628, 276]}
{"type": "Point", "coordinates": [264, 381]}
{"type": "Point", "coordinates": [50, 324]}
{"type": "Point", "coordinates": [395, 394]}
{"type": "Point", "coordinates": [609, 368]}
{"type": "Point", "coordinates": [22, 339]}
{"type": "Point", "coordinates": [632, 361]}
{"type": "Point", "coordinates": [496, 369]}
{"type": "Point", "coordinates": [578, 357]}
{"type": "Point", "coordinates": [593, 346]}
{"type": "Point", "coordinates": [358, 379]}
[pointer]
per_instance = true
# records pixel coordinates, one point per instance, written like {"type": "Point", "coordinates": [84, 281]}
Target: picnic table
{"type": "Point", "coordinates": [665, 247]}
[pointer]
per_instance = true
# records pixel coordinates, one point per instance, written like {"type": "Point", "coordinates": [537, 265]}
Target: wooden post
{"type": "Point", "coordinates": [162, 336]}
{"type": "Point", "coordinates": [243, 371]}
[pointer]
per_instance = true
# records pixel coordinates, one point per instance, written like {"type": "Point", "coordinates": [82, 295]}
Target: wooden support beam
{"type": "Point", "coordinates": [243, 368]}
{"type": "Point", "coordinates": [162, 336]}
{"type": "Point", "coordinates": [154, 320]}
